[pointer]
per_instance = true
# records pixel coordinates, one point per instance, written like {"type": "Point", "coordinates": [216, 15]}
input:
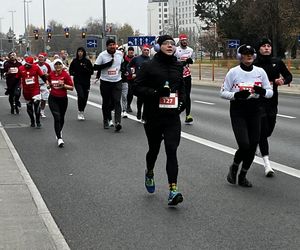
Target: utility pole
{"type": "Point", "coordinates": [1, 45]}
{"type": "Point", "coordinates": [103, 26]}
{"type": "Point", "coordinates": [44, 33]}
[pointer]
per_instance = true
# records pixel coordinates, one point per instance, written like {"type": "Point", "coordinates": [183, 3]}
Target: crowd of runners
{"type": "Point", "coordinates": [162, 85]}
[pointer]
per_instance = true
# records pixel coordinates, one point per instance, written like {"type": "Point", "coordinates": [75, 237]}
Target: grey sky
{"type": "Point", "coordinates": [74, 12]}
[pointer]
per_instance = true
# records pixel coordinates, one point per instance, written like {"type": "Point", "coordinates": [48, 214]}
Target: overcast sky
{"type": "Point", "coordinates": [73, 12]}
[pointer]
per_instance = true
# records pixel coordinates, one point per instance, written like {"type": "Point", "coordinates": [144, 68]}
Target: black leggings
{"type": "Point", "coordinates": [247, 132]}
{"type": "Point", "coordinates": [82, 95]}
{"type": "Point", "coordinates": [130, 93]}
{"type": "Point", "coordinates": [58, 107]}
{"type": "Point", "coordinates": [34, 109]}
{"type": "Point", "coordinates": [188, 87]}
{"type": "Point", "coordinates": [267, 127]}
{"type": "Point", "coordinates": [167, 129]}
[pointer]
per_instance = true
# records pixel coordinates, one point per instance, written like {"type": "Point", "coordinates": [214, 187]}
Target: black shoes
{"type": "Point", "coordinates": [231, 177]}
{"type": "Point", "coordinates": [242, 181]}
{"type": "Point", "coordinates": [118, 127]}
{"type": "Point", "coordinates": [105, 124]}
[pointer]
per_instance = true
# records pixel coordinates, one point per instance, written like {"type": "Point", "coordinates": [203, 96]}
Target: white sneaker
{"type": "Point", "coordinates": [111, 123]}
{"type": "Point", "coordinates": [80, 116]}
{"type": "Point", "coordinates": [43, 114]}
{"type": "Point", "coordinates": [269, 172]}
{"type": "Point", "coordinates": [124, 114]}
{"type": "Point", "coordinates": [60, 143]}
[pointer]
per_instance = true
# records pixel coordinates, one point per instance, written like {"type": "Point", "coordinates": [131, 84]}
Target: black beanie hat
{"type": "Point", "coordinates": [264, 41]}
{"type": "Point", "coordinates": [130, 48]}
{"type": "Point", "coordinates": [163, 38]}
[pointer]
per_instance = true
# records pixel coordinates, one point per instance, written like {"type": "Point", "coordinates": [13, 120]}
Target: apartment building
{"type": "Point", "coordinates": [173, 17]}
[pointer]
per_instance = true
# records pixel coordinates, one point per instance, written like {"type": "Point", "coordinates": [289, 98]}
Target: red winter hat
{"type": "Point", "coordinates": [183, 37]}
{"type": "Point", "coordinates": [147, 46]}
{"type": "Point", "coordinates": [29, 60]}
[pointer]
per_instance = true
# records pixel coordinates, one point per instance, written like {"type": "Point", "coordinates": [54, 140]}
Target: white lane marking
{"type": "Point", "coordinates": [207, 103]}
{"type": "Point", "coordinates": [277, 166]}
{"type": "Point", "coordinates": [287, 116]}
{"type": "Point", "coordinates": [42, 208]}
{"type": "Point", "coordinates": [280, 167]}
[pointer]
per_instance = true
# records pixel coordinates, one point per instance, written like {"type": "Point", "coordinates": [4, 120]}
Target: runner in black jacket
{"type": "Point", "coordinates": [278, 75]}
{"type": "Point", "coordinates": [82, 69]}
{"type": "Point", "coordinates": [160, 84]}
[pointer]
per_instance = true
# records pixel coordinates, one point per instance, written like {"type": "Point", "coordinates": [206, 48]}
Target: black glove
{"type": "Point", "coordinates": [259, 90]}
{"type": "Point", "coordinates": [189, 61]}
{"type": "Point", "coordinates": [244, 94]}
{"type": "Point", "coordinates": [164, 92]}
{"type": "Point", "coordinates": [180, 107]}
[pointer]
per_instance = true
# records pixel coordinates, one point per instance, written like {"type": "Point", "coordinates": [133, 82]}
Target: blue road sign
{"type": "Point", "coordinates": [140, 40]}
{"type": "Point", "coordinates": [91, 43]}
{"type": "Point", "coordinates": [233, 44]}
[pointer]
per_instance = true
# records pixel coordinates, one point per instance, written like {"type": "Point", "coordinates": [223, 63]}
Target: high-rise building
{"type": "Point", "coordinates": [158, 16]}
{"type": "Point", "coordinates": [173, 17]}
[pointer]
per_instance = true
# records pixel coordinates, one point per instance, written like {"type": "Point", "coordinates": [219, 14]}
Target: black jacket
{"type": "Point", "coordinates": [152, 77]}
{"type": "Point", "coordinates": [81, 69]}
{"type": "Point", "coordinates": [274, 67]}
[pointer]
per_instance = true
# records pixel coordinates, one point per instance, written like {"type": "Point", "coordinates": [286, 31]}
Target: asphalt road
{"type": "Point", "coordinates": [94, 187]}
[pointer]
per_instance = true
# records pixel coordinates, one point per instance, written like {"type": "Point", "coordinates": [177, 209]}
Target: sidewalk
{"type": "Point", "coordinates": [25, 221]}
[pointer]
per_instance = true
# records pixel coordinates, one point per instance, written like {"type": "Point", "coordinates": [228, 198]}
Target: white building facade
{"type": "Point", "coordinates": [173, 17]}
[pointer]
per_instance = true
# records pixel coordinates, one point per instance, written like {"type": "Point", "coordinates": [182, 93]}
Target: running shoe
{"type": "Point", "coordinates": [242, 181]}
{"type": "Point", "coordinates": [60, 143]}
{"type": "Point", "coordinates": [38, 125]}
{"type": "Point", "coordinates": [231, 176]}
{"type": "Point", "coordinates": [189, 120]}
{"type": "Point", "coordinates": [269, 172]}
{"type": "Point", "coordinates": [118, 127]}
{"type": "Point", "coordinates": [43, 114]}
{"type": "Point", "coordinates": [105, 124]}
{"type": "Point", "coordinates": [111, 123]}
{"type": "Point", "coordinates": [80, 116]}
{"type": "Point", "coordinates": [149, 183]}
{"type": "Point", "coordinates": [124, 114]}
{"type": "Point", "coordinates": [174, 198]}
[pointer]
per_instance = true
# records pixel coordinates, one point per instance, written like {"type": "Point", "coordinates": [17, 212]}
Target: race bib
{"type": "Point", "coordinates": [170, 102]}
{"type": "Point", "coordinates": [13, 70]}
{"type": "Point", "coordinates": [112, 72]}
{"type": "Point", "coordinates": [56, 84]}
{"type": "Point", "coordinates": [29, 81]}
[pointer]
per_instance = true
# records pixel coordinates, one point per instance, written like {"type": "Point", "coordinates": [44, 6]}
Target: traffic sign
{"type": "Point", "coordinates": [233, 44]}
{"type": "Point", "coordinates": [141, 40]}
{"type": "Point", "coordinates": [91, 43]}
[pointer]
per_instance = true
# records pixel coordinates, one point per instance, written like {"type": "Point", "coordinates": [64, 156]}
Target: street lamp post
{"type": "Point", "coordinates": [103, 25]}
{"type": "Point", "coordinates": [44, 19]}
{"type": "Point", "coordinates": [1, 45]}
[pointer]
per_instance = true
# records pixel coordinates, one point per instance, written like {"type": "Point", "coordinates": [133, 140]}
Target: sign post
{"type": "Point", "coordinates": [233, 44]}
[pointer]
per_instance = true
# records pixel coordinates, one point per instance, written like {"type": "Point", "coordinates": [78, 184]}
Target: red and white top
{"type": "Point", "coordinates": [30, 80]}
{"type": "Point", "coordinates": [55, 81]}
{"type": "Point", "coordinates": [182, 54]}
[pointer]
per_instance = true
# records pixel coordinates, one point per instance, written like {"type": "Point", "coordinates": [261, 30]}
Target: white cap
{"type": "Point", "coordinates": [57, 60]}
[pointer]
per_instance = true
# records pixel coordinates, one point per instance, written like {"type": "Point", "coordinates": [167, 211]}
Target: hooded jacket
{"type": "Point", "coordinates": [81, 68]}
